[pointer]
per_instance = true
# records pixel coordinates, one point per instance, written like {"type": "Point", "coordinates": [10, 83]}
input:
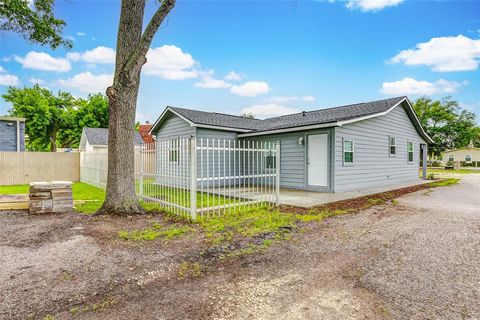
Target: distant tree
{"type": "Point", "coordinates": [34, 20]}
{"type": "Point", "coordinates": [446, 123]}
{"type": "Point", "coordinates": [56, 120]}
{"type": "Point", "coordinates": [91, 112]}
{"type": "Point", "coordinates": [248, 115]}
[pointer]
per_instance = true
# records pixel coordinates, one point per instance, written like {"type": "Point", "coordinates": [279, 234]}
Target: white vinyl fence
{"type": "Point", "coordinates": [198, 177]}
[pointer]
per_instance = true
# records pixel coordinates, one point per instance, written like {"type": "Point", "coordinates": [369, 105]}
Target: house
{"type": "Point", "coordinates": [97, 138]}
{"type": "Point", "coordinates": [144, 131]}
{"type": "Point", "coordinates": [468, 155]}
{"type": "Point", "coordinates": [338, 149]}
{"type": "Point", "coordinates": [12, 134]}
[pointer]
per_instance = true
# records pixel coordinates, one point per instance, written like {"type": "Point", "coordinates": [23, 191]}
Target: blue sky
{"type": "Point", "coordinates": [266, 57]}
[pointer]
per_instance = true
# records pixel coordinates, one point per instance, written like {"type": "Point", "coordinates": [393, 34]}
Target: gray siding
{"type": "Point", "coordinates": [8, 135]}
{"type": "Point", "coordinates": [373, 166]}
{"type": "Point", "coordinates": [293, 164]}
{"type": "Point", "coordinates": [174, 127]}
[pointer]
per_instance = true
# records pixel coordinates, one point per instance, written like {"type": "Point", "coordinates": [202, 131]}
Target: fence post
{"type": "Point", "coordinates": [277, 173]}
{"type": "Point", "coordinates": [142, 151]}
{"type": "Point", "coordinates": [193, 178]}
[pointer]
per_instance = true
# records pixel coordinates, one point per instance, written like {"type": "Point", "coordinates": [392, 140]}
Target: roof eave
{"type": "Point", "coordinates": [291, 129]}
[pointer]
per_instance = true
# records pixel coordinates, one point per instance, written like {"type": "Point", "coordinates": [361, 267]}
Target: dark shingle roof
{"type": "Point", "coordinates": [219, 119]}
{"type": "Point", "coordinates": [322, 116]}
{"type": "Point", "coordinates": [99, 136]}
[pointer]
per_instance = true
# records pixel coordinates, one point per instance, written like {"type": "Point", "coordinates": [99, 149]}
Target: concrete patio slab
{"type": "Point", "coordinates": [306, 199]}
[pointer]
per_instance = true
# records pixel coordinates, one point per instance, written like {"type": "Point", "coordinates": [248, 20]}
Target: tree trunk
{"type": "Point", "coordinates": [132, 47]}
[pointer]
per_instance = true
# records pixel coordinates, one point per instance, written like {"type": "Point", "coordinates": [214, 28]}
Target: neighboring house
{"type": "Point", "coordinates": [468, 154]}
{"type": "Point", "coordinates": [144, 131]}
{"type": "Point", "coordinates": [12, 134]}
{"type": "Point", "coordinates": [97, 138]}
{"type": "Point", "coordinates": [332, 150]}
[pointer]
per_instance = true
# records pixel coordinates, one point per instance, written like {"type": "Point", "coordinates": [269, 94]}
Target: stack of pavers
{"type": "Point", "coordinates": [50, 197]}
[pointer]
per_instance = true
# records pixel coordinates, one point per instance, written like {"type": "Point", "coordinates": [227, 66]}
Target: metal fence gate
{"type": "Point", "coordinates": [208, 176]}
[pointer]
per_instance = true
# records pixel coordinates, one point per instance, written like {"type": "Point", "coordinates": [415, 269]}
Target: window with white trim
{"type": "Point", "coordinates": [173, 152]}
{"type": "Point", "coordinates": [468, 158]}
{"type": "Point", "coordinates": [348, 150]}
{"type": "Point", "coordinates": [392, 146]}
{"type": "Point", "coordinates": [451, 158]}
{"type": "Point", "coordinates": [410, 151]}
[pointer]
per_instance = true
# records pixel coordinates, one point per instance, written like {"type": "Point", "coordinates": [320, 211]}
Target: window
{"type": "Point", "coordinates": [451, 158]}
{"type": "Point", "coordinates": [468, 158]}
{"type": "Point", "coordinates": [348, 150]}
{"type": "Point", "coordinates": [410, 151]}
{"type": "Point", "coordinates": [392, 143]}
{"type": "Point", "coordinates": [270, 160]}
{"type": "Point", "coordinates": [173, 152]}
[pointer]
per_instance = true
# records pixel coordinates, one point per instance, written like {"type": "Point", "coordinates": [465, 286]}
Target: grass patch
{"type": "Point", "coordinates": [462, 171]}
{"type": "Point", "coordinates": [319, 215]}
{"type": "Point", "coordinates": [444, 182]}
{"type": "Point", "coordinates": [246, 222]}
{"type": "Point", "coordinates": [153, 232]}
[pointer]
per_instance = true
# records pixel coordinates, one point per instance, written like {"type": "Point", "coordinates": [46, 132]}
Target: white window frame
{"type": "Point", "coordinates": [344, 151]}
{"type": "Point", "coordinates": [173, 151]}
{"type": "Point", "coordinates": [451, 157]}
{"type": "Point", "coordinates": [408, 152]}
{"type": "Point", "coordinates": [469, 156]}
{"type": "Point", "coordinates": [390, 145]}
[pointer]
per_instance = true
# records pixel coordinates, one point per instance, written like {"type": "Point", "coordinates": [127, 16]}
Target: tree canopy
{"type": "Point", "coordinates": [34, 20]}
{"type": "Point", "coordinates": [447, 123]}
{"type": "Point", "coordinates": [56, 120]}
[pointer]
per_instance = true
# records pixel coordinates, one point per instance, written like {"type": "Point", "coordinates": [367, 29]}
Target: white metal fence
{"type": "Point", "coordinates": [190, 176]}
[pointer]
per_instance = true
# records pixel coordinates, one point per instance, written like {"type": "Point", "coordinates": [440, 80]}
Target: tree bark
{"type": "Point", "coordinates": [122, 101]}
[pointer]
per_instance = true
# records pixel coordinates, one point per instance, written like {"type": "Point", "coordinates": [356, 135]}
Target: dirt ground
{"type": "Point", "coordinates": [417, 259]}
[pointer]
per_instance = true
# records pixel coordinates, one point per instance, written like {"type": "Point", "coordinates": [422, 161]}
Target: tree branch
{"type": "Point", "coordinates": [154, 24]}
{"type": "Point", "coordinates": [140, 52]}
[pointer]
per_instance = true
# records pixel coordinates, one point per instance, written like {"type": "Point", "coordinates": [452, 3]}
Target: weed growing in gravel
{"type": "Point", "coordinates": [247, 222]}
{"type": "Point", "coordinates": [189, 269]}
{"type": "Point", "coordinates": [319, 215]}
{"type": "Point", "coordinates": [153, 232]}
{"type": "Point", "coordinates": [444, 182]}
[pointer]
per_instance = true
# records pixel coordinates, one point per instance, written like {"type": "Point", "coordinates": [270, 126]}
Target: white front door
{"type": "Point", "coordinates": [317, 160]}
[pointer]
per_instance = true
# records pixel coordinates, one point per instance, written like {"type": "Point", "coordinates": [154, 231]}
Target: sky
{"type": "Point", "coordinates": [265, 57]}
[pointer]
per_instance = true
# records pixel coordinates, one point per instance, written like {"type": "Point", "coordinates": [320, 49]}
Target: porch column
{"type": "Point", "coordinates": [424, 161]}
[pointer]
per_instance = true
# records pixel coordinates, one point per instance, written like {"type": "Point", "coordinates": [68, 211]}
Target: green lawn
{"type": "Point", "coordinates": [80, 190]}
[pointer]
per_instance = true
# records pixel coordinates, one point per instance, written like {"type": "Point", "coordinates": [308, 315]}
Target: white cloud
{"type": "Point", "coordinates": [269, 110]}
{"type": "Point", "coordinates": [87, 82]}
{"type": "Point", "coordinates": [43, 61]}
{"type": "Point", "coordinates": [171, 63]}
{"type": "Point", "coordinates": [212, 83]}
{"type": "Point", "coordinates": [81, 34]}
{"type": "Point", "coordinates": [99, 54]}
{"type": "Point", "coordinates": [410, 86]}
{"type": "Point", "coordinates": [250, 89]}
{"type": "Point", "coordinates": [443, 54]}
{"type": "Point", "coordinates": [233, 76]}
{"type": "Point", "coordinates": [36, 80]}
{"type": "Point", "coordinates": [287, 99]}
{"type": "Point", "coordinates": [1, 69]}
{"type": "Point", "coordinates": [372, 5]}
{"type": "Point", "coordinates": [9, 80]}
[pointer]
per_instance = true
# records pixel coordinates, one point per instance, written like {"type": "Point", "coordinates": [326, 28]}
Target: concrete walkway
{"type": "Point", "coordinates": [306, 199]}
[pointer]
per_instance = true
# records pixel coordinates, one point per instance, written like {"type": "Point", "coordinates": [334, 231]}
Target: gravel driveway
{"type": "Point", "coordinates": [417, 259]}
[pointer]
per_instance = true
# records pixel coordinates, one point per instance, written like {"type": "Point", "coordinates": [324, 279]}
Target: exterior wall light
{"type": "Point", "coordinates": [301, 141]}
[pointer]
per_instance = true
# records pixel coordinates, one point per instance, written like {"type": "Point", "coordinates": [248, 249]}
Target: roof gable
{"type": "Point", "coordinates": [99, 136]}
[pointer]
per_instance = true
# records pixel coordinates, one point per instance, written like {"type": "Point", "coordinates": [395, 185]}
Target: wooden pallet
{"type": "Point", "coordinates": [14, 202]}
